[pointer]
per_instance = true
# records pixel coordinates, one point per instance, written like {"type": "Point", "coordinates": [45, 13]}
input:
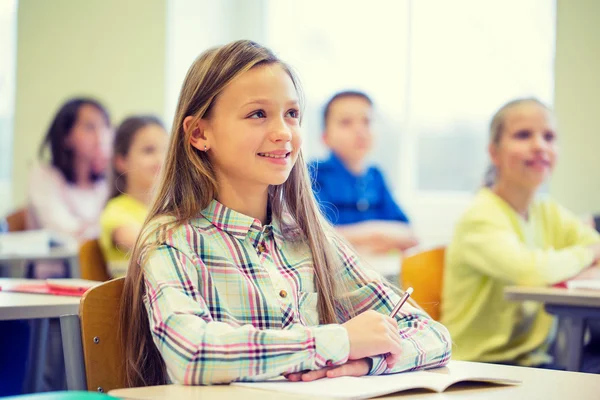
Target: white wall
{"type": "Point", "coordinates": [193, 26]}
{"type": "Point", "coordinates": [110, 49]}
{"type": "Point", "coordinates": [576, 181]}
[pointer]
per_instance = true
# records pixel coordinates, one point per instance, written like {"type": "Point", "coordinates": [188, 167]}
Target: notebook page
{"type": "Point", "coordinates": [352, 388]}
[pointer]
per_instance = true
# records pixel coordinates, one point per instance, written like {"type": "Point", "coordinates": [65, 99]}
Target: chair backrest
{"type": "Point", "coordinates": [17, 221]}
{"type": "Point", "coordinates": [91, 261]}
{"type": "Point", "coordinates": [424, 272]}
{"type": "Point", "coordinates": [102, 351]}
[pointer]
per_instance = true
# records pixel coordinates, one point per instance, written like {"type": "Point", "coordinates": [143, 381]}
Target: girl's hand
{"type": "Point", "coordinates": [350, 368]}
{"type": "Point", "coordinates": [371, 334]}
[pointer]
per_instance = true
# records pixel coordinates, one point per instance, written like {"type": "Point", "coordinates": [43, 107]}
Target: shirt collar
{"type": "Point", "coordinates": [239, 225]}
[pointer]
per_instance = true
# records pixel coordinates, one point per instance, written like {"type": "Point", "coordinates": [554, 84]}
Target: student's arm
{"type": "Point", "coordinates": [493, 249]}
{"type": "Point", "coordinates": [425, 342]}
{"type": "Point", "coordinates": [46, 189]}
{"type": "Point", "coordinates": [124, 236]}
{"type": "Point", "coordinates": [199, 350]}
{"type": "Point", "coordinates": [379, 236]}
{"type": "Point", "coordinates": [575, 230]}
{"type": "Point", "coordinates": [117, 229]}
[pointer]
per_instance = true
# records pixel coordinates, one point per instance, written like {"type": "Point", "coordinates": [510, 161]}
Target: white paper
{"type": "Point", "coordinates": [353, 388]}
{"type": "Point", "coordinates": [590, 284]}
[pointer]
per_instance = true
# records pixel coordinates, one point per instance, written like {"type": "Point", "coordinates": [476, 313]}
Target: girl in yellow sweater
{"type": "Point", "coordinates": [507, 237]}
{"type": "Point", "coordinates": [139, 150]}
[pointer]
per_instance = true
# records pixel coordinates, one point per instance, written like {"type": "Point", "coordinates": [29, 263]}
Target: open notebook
{"type": "Point", "coordinates": [365, 387]}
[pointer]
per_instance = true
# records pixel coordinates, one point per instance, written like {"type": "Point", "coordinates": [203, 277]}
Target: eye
{"type": "Point", "coordinates": [345, 122]}
{"type": "Point", "coordinates": [549, 136]}
{"type": "Point", "coordinates": [522, 134]}
{"type": "Point", "coordinates": [293, 113]}
{"type": "Point", "coordinates": [258, 114]}
{"type": "Point", "coordinates": [148, 150]}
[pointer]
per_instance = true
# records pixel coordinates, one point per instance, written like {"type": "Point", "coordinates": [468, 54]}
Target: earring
{"type": "Point", "coordinates": [205, 149]}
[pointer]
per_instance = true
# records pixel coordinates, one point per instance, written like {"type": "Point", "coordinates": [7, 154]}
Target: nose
{"type": "Point", "coordinates": [538, 142]}
{"type": "Point", "coordinates": [280, 131]}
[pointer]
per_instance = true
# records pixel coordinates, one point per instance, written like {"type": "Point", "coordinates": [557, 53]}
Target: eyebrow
{"type": "Point", "coordinates": [268, 102]}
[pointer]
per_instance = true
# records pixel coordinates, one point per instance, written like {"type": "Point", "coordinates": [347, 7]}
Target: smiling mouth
{"type": "Point", "coordinates": [269, 155]}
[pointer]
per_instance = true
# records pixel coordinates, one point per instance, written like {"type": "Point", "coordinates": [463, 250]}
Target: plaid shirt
{"type": "Point", "coordinates": [230, 300]}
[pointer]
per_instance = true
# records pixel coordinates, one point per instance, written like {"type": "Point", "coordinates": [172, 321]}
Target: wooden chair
{"type": "Point", "coordinates": [94, 360]}
{"type": "Point", "coordinates": [424, 272]}
{"type": "Point", "coordinates": [91, 262]}
{"type": "Point", "coordinates": [17, 221]}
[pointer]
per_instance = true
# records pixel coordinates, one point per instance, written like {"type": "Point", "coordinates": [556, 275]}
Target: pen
{"type": "Point", "coordinates": [401, 302]}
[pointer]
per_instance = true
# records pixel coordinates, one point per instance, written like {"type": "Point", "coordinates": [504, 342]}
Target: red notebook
{"type": "Point", "coordinates": [58, 287]}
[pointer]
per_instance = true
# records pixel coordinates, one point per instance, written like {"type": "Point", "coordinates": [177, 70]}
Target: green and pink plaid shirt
{"type": "Point", "coordinates": [229, 299]}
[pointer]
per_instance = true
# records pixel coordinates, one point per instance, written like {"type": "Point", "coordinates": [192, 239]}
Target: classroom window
{"type": "Point", "coordinates": [437, 71]}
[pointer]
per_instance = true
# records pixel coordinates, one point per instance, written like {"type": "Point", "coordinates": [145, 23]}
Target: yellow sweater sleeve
{"type": "Point", "coordinates": [491, 246]}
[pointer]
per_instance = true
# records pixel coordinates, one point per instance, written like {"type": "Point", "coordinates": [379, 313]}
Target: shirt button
{"type": "Point", "coordinates": [329, 363]}
{"type": "Point", "coordinates": [261, 248]}
{"type": "Point", "coordinates": [283, 293]}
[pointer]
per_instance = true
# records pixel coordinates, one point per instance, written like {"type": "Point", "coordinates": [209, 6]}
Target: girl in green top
{"type": "Point", "coordinates": [139, 150]}
{"type": "Point", "coordinates": [510, 237]}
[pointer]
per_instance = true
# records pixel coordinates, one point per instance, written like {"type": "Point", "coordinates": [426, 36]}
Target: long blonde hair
{"type": "Point", "coordinates": [187, 186]}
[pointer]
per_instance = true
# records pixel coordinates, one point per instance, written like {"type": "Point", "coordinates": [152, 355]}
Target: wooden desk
{"type": "Point", "coordinates": [537, 384]}
{"type": "Point", "coordinates": [38, 308]}
{"type": "Point", "coordinates": [575, 306]}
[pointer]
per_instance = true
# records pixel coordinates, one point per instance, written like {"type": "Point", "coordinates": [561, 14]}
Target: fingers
{"type": "Point", "coordinates": [294, 377]}
{"type": "Point", "coordinates": [352, 368]}
{"type": "Point", "coordinates": [314, 375]}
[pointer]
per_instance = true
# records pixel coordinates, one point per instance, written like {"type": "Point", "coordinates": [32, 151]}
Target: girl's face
{"type": "Point", "coordinates": [253, 132]}
{"type": "Point", "coordinates": [527, 152]}
{"type": "Point", "coordinates": [90, 137]}
{"type": "Point", "coordinates": [145, 157]}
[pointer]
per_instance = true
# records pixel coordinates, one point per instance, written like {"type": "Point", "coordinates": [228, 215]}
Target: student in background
{"type": "Point", "coordinates": [237, 275]}
{"type": "Point", "coordinates": [510, 236]}
{"type": "Point", "coordinates": [352, 194]}
{"type": "Point", "coordinates": [67, 195]}
{"type": "Point", "coordinates": [138, 154]}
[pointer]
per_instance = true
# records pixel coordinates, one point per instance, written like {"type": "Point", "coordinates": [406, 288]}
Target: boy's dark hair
{"type": "Point", "coordinates": [61, 157]}
{"type": "Point", "coordinates": [342, 95]}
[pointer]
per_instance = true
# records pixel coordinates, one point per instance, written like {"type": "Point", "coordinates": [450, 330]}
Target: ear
{"type": "Point", "coordinates": [121, 164]}
{"type": "Point", "coordinates": [493, 151]}
{"type": "Point", "coordinates": [325, 138]}
{"type": "Point", "coordinates": [197, 132]}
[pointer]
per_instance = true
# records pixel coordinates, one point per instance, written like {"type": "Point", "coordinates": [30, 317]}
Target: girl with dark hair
{"type": "Point", "coordinates": [67, 195]}
{"type": "Point", "coordinates": [138, 154]}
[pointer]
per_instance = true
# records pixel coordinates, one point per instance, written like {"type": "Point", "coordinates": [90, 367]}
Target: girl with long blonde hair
{"type": "Point", "coordinates": [236, 274]}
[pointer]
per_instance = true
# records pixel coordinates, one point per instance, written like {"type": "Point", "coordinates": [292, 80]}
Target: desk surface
{"type": "Point", "coordinates": [32, 306]}
{"type": "Point", "coordinates": [55, 253]}
{"type": "Point", "coordinates": [537, 384]}
{"type": "Point", "coordinates": [555, 296]}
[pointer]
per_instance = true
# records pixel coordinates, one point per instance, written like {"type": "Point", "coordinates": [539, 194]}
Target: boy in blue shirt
{"type": "Point", "coordinates": [352, 194]}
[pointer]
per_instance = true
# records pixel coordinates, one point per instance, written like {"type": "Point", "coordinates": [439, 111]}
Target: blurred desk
{"type": "Point", "coordinates": [575, 306]}
{"type": "Point", "coordinates": [68, 252]}
{"type": "Point", "coordinates": [387, 265]}
{"type": "Point", "coordinates": [37, 308]}
{"type": "Point", "coordinates": [537, 384]}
